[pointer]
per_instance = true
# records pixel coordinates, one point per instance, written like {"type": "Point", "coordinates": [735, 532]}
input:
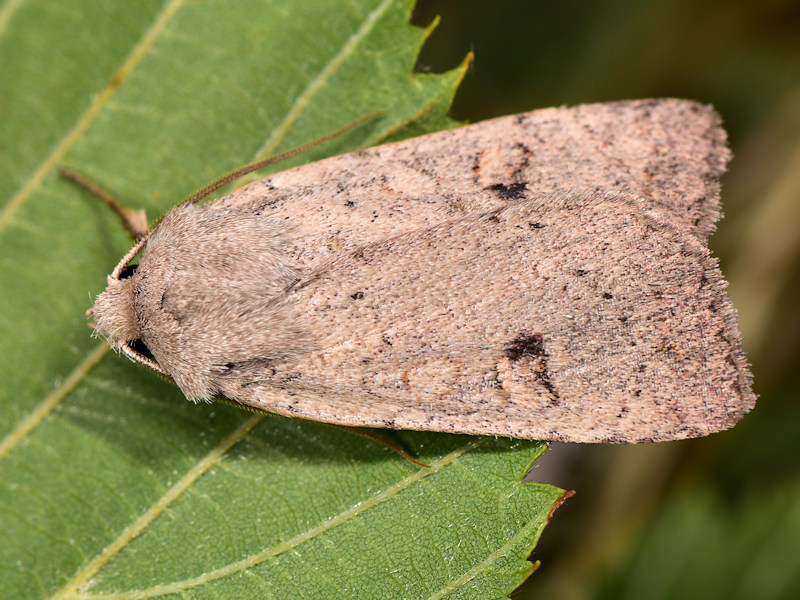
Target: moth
{"type": "Point", "coordinates": [542, 275]}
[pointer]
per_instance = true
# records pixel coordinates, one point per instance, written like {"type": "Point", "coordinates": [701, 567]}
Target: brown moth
{"type": "Point", "coordinates": [543, 275]}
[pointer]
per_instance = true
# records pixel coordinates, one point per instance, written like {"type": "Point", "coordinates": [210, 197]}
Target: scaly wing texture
{"type": "Point", "coordinates": [670, 152]}
{"type": "Point", "coordinates": [582, 318]}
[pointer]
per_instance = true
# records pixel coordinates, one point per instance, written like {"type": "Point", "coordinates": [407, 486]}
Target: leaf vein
{"type": "Point", "coordinates": [243, 565]}
{"type": "Point", "coordinates": [70, 589]}
{"type": "Point", "coordinates": [26, 425]}
{"type": "Point", "coordinates": [19, 199]}
{"type": "Point", "coordinates": [6, 13]}
{"type": "Point", "coordinates": [503, 551]}
{"type": "Point", "coordinates": [302, 101]}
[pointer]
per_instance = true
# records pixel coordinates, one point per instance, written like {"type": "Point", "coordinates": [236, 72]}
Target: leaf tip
{"type": "Point", "coordinates": [557, 504]}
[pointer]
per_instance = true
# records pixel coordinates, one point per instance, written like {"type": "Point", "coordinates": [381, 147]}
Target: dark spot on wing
{"type": "Point", "coordinates": [509, 191]}
{"type": "Point", "coordinates": [524, 344]}
{"type": "Point", "coordinates": [532, 345]}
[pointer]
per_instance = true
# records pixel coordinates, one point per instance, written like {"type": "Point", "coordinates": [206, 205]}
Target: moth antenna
{"type": "Point", "coordinates": [388, 444]}
{"type": "Point", "coordinates": [134, 221]}
{"type": "Point", "coordinates": [226, 179]}
{"type": "Point", "coordinates": [126, 260]}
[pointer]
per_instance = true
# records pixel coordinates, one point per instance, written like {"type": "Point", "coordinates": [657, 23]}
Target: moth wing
{"type": "Point", "coordinates": [668, 151]}
{"type": "Point", "coordinates": [578, 318]}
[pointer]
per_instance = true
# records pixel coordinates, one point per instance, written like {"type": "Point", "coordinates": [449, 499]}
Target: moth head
{"type": "Point", "coordinates": [114, 314]}
{"type": "Point", "coordinates": [114, 311]}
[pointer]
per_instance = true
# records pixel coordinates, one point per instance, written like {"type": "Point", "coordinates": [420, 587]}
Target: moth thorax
{"type": "Point", "coordinates": [114, 313]}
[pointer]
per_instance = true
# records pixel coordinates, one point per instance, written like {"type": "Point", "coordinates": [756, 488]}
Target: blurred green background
{"type": "Point", "coordinates": [711, 518]}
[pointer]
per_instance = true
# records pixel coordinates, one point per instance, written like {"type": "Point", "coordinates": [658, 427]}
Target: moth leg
{"type": "Point", "coordinates": [376, 438]}
{"type": "Point", "coordinates": [134, 221]}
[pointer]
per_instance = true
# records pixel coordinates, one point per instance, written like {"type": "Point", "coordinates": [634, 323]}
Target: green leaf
{"type": "Point", "coordinates": [111, 483]}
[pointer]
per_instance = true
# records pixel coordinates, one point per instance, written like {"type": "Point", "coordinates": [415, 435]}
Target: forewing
{"type": "Point", "coordinates": [670, 152]}
{"type": "Point", "coordinates": [583, 318]}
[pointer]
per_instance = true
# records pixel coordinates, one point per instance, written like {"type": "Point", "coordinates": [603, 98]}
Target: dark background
{"type": "Point", "coordinates": [711, 518]}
